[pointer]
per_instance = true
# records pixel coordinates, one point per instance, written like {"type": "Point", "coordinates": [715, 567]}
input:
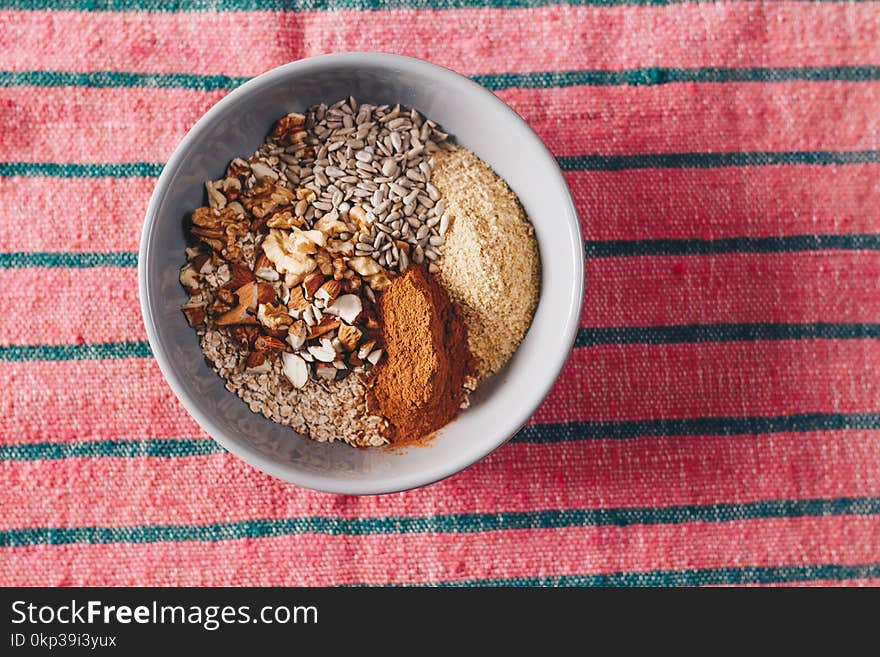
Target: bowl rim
{"type": "Point", "coordinates": [324, 482]}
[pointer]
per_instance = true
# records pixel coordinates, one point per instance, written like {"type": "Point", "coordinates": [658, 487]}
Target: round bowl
{"type": "Point", "coordinates": [479, 121]}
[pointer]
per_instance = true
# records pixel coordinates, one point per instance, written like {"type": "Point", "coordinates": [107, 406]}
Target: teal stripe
{"type": "Point", "coordinates": [690, 333]}
{"type": "Point", "coordinates": [313, 5]}
{"type": "Point", "coordinates": [566, 163]}
{"type": "Point", "coordinates": [714, 160]}
{"type": "Point", "coordinates": [22, 259]}
{"type": "Point", "coordinates": [163, 448]}
{"type": "Point", "coordinates": [691, 577]}
{"type": "Point", "coordinates": [104, 79]}
{"type": "Point", "coordinates": [76, 351]}
{"type": "Point", "coordinates": [778, 244]}
{"type": "Point", "coordinates": [495, 82]}
{"type": "Point", "coordinates": [660, 76]}
{"type": "Point", "coordinates": [464, 523]}
{"type": "Point", "coordinates": [81, 170]}
{"type": "Point", "coordinates": [531, 434]}
{"type": "Point", "coordinates": [698, 426]}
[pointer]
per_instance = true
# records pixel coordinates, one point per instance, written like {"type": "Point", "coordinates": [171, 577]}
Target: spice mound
{"type": "Point", "coordinates": [348, 278]}
{"type": "Point", "coordinates": [420, 385]}
{"type": "Point", "coordinates": [490, 260]}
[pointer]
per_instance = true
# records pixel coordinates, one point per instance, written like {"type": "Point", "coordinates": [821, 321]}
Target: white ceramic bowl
{"type": "Point", "coordinates": [478, 120]}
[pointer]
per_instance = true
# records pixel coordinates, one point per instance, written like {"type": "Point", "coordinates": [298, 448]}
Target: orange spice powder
{"type": "Point", "coordinates": [418, 386]}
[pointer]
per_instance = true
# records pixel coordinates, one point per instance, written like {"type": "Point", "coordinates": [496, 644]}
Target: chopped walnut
{"type": "Point", "coordinates": [284, 219]}
{"type": "Point", "coordinates": [266, 197]}
{"type": "Point", "coordinates": [272, 316]}
{"type": "Point", "coordinates": [289, 130]}
{"type": "Point", "coordinates": [220, 229]}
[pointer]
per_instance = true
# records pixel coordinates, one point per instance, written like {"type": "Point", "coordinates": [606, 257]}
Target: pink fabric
{"type": "Point", "coordinates": [749, 458]}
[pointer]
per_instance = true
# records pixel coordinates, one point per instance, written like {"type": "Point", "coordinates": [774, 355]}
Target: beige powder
{"type": "Point", "coordinates": [489, 263]}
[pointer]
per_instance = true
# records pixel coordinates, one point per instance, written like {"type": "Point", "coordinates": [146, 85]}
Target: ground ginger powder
{"type": "Point", "coordinates": [419, 384]}
{"type": "Point", "coordinates": [489, 264]}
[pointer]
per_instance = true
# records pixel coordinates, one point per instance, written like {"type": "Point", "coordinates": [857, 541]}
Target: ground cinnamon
{"type": "Point", "coordinates": [418, 385]}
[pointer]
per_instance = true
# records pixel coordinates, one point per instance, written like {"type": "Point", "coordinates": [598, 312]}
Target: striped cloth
{"type": "Point", "coordinates": [717, 423]}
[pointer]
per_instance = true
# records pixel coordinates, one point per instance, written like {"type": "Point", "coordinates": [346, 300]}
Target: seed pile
{"type": "Point", "coordinates": [371, 163]}
{"type": "Point", "coordinates": [297, 245]}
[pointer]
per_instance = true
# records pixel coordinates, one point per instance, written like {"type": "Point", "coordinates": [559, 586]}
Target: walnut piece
{"type": "Point", "coordinates": [220, 230]}
{"type": "Point", "coordinates": [273, 317]}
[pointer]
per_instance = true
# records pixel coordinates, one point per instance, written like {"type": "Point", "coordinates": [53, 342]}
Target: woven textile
{"type": "Point", "coordinates": [717, 423]}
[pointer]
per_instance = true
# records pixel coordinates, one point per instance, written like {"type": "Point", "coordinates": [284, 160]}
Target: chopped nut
{"type": "Point", "coordinates": [284, 219]}
{"type": "Point", "coordinates": [312, 283]}
{"type": "Point", "coordinates": [323, 354]}
{"type": "Point", "coordinates": [297, 300]}
{"type": "Point", "coordinates": [286, 131]}
{"type": "Point", "coordinates": [360, 216]}
{"type": "Point", "coordinates": [216, 200]}
{"type": "Point", "coordinates": [238, 168]}
{"type": "Point", "coordinates": [267, 273]}
{"type": "Point", "coordinates": [338, 247]}
{"type": "Point", "coordinates": [239, 276]}
{"type": "Point", "coordinates": [306, 194]}
{"type": "Point", "coordinates": [238, 209]}
{"type": "Point", "coordinates": [223, 301]}
{"type": "Point", "coordinates": [348, 307]}
{"type": "Point", "coordinates": [268, 345]}
{"type": "Point", "coordinates": [327, 292]}
{"type": "Point", "coordinates": [349, 336]}
{"type": "Point", "coordinates": [189, 278]}
{"type": "Point", "coordinates": [220, 229]}
{"type": "Point", "coordinates": [325, 371]}
{"type": "Point", "coordinates": [237, 315]}
{"type": "Point", "coordinates": [365, 349]}
{"type": "Point", "coordinates": [231, 187]}
{"type": "Point", "coordinates": [265, 292]}
{"type": "Point", "coordinates": [273, 316]}
{"type": "Point", "coordinates": [281, 250]}
{"type": "Point", "coordinates": [279, 333]}
{"type": "Point", "coordinates": [203, 263]}
{"type": "Point", "coordinates": [262, 170]}
{"type": "Point", "coordinates": [296, 335]}
{"type": "Point", "coordinates": [338, 268]}
{"type": "Point", "coordinates": [253, 293]}
{"type": "Point", "coordinates": [307, 241]}
{"type": "Point", "coordinates": [324, 261]}
{"type": "Point", "coordinates": [295, 369]}
{"type": "Point", "coordinates": [244, 335]}
{"type": "Point", "coordinates": [351, 284]}
{"type": "Point", "coordinates": [308, 315]}
{"type": "Point", "coordinates": [195, 314]}
{"type": "Point", "coordinates": [330, 226]}
{"type": "Point", "coordinates": [324, 326]}
{"type": "Point", "coordinates": [374, 356]}
{"type": "Point", "coordinates": [257, 363]}
{"type": "Point", "coordinates": [364, 266]}
{"type": "Point", "coordinates": [378, 281]}
{"type": "Point", "coordinates": [266, 197]}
